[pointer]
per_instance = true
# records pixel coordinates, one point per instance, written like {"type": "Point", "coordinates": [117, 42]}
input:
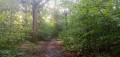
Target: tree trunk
{"type": "Point", "coordinates": [35, 17]}
{"type": "Point", "coordinates": [35, 9]}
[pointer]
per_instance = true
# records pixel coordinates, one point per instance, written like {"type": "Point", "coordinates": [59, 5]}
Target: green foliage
{"type": "Point", "coordinates": [11, 53]}
{"type": "Point", "coordinates": [93, 29]}
{"type": "Point", "coordinates": [90, 27]}
{"type": "Point", "coordinates": [16, 27]}
{"type": "Point", "coordinates": [45, 31]}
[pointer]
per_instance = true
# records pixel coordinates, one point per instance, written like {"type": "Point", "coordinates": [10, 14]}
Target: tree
{"type": "Point", "coordinates": [94, 28]}
{"type": "Point", "coordinates": [35, 13]}
{"type": "Point", "coordinates": [36, 6]}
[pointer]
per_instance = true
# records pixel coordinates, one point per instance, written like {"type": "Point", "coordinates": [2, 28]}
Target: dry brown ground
{"type": "Point", "coordinates": [51, 48]}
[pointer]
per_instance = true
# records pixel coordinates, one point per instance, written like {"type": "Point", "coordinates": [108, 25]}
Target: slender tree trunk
{"type": "Point", "coordinates": [35, 17]}
{"type": "Point", "coordinates": [35, 9]}
{"type": "Point", "coordinates": [26, 21]}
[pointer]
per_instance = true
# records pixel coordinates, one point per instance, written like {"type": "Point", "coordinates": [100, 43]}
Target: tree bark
{"type": "Point", "coordinates": [35, 17]}
{"type": "Point", "coordinates": [35, 9]}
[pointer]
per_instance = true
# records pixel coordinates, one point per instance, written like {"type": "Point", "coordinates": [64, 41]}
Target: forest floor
{"type": "Point", "coordinates": [51, 48]}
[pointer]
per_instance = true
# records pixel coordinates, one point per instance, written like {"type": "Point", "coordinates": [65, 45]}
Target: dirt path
{"type": "Point", "coordinates": [51, 48]}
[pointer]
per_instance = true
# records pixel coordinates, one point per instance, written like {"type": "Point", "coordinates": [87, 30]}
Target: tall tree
{"type": "Point", "coordinates": [36, 6]}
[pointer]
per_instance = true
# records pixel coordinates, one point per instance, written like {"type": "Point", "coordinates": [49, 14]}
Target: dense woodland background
{"type": "Point", "coordinates": [88, 28]}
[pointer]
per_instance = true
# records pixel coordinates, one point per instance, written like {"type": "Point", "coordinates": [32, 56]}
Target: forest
{"type": "Point", "coordinates": [59, 28]}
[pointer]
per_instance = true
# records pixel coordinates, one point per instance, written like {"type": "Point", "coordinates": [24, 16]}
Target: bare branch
{"type": "Point", "coordinates": [22, 1]}
{"type": "Point", "coordinates": [26, 2]}
{"type": "Point", "coordinates": [39, 1]}
{"type": "Point", "coordinates": [45, 2]}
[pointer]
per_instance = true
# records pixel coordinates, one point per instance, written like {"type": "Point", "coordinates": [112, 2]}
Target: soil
{"type": "Point", "coordinates": [51, 48]}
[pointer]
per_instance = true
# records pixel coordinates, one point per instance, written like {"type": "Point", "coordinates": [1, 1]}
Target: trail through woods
{"type": "Point", "coordinates": [52, 48]}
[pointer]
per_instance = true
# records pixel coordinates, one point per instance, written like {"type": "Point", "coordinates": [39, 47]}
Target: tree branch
{"type": "Point", "coordinates": [26, 2]}
{"type": "Point", "coordinates": [45, 2]}
{"type": "Point", "coordinates": [39, 1]}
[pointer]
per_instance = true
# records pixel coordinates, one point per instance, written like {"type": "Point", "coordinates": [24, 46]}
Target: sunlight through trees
{"type": "Point", "coordinates": [87, 28]}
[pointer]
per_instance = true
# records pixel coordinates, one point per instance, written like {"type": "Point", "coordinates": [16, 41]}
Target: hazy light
{"type": "Point", "coordinates": [114, 7]}
{"type": "Point", "coordinates": [47, 19]}
{"type": "Point", "coordinates": [51, 4]}
{"type": "Point", "coordinates": [118, 0]}
{"type": "Point", "coordinates": [64, 10]}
